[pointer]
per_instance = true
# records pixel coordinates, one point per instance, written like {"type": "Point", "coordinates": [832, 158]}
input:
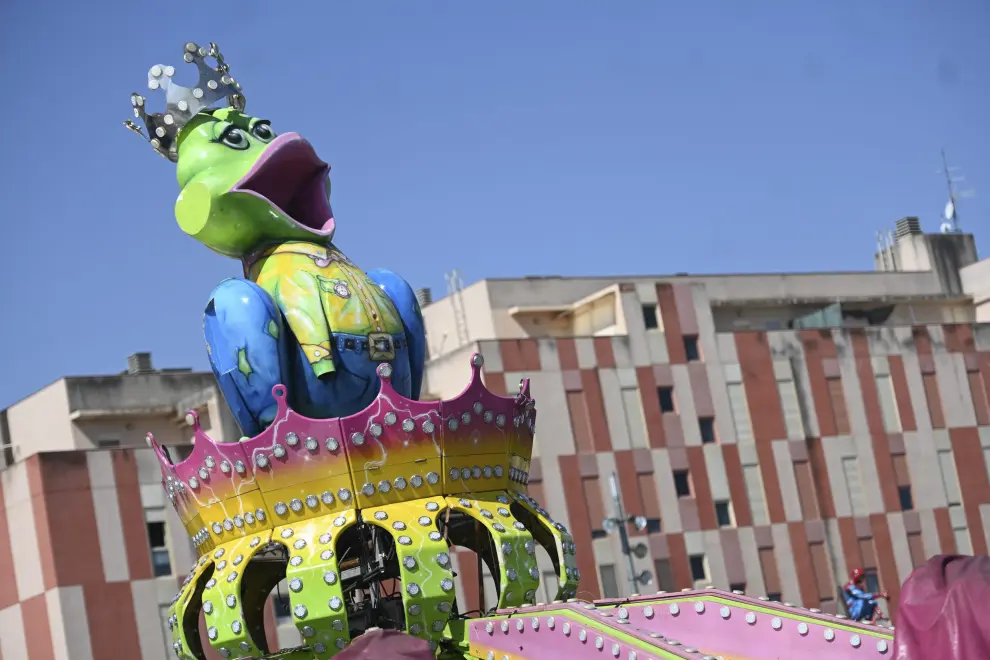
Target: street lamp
{"type": "Point", "coordinates": [618, 524]}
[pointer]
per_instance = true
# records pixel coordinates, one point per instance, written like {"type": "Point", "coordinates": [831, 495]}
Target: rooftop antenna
{"type": "Point", "coordinates": [454, 288]}
{"type": "Point", "coordinates": [882, 249]}
{"type": "Point", "coordinates": [950, 216]}
{"type": "Point", "coordinates": [893, 252]}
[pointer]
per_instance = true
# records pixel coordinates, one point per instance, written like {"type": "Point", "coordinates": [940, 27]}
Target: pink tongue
{"type": "Point", "coordinates": [328, 224]}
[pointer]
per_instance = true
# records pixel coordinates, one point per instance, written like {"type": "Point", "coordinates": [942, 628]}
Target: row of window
{"type": "Point", "coordinates": [663, 577]}
{"type": "Point", "coordinates": [651, 319]}
{"type": "Point", "coordinates": [668, 404]}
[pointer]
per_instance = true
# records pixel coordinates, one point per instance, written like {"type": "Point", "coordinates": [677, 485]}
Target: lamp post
{"type": "Point", "coordinates": [618, 524]}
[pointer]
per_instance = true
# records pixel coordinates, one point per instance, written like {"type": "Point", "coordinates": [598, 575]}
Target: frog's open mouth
{"type": "Point", "coordinates": [292, 178]}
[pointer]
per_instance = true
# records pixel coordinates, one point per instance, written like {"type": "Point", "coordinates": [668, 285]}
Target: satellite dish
{"type": "Point", "coordinates": [950, 210]}
{"type": "Point", "coordinates": [947, 228]}
{"type": "Point", "coordinates": [644, 578]}
{"type": "Point", "coordinates": [640, 550]}
{"type": "Point", "coordinates": [640, 523]}
{"type": "Point", "coordinates": [610, 525]}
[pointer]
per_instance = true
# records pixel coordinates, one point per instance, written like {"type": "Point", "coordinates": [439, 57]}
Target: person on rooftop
{"type": "Point", "coordinates": [861, 604]}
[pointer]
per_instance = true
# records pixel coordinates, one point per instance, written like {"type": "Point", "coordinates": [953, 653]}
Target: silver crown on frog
{"type": "Point", "coordinates": [182, 103]}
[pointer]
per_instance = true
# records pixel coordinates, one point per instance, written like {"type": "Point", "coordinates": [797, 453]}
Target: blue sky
{"type": "Point", "coordinates": [502, 138]}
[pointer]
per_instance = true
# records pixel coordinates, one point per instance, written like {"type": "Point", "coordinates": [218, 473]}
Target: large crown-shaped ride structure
{"type": "Point", "coordinates": [386, 491]}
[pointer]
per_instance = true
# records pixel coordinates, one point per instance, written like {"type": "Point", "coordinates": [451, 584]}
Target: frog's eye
{"type": "Point", "coordinates": [235, 138]}
{"type": "Point", "coordinates": [263, 131]}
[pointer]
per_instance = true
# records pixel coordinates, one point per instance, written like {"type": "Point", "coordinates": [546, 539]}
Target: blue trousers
{"type": "Point", "coordinates": [252, 349]}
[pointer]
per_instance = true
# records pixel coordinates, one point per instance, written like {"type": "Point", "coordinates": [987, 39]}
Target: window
{"type": "Point", "coordinates": [723, 513]}
{"type": "Point", "coordinates": [161, 564]}
{"type": "Point", "coordinates": [907, 501]}
{"type": "Point", "coordinates": [108, 443]}
{"type": "Point", "coordinates": [691, 352]}
{"type": "Point", "coordinates": [653, 526]}
{"type": "Point", "coordinates": [699, 572]}
{"type": "Point", "coordinates": [682, 483]}
{"type": "Point", "coordinates": [610, 587]}
{"type": "Point", "coordinates": [283, 610]}
{"type": "Point", "coordinates": [650, 319]}
{"type": "Point", "coordinates": [666, 395]}
{"type": "Point", "coordinates": [707, 427]}
{"type": "Point", "coordinates": [738, 586]}
{"type": "Point", "coordinates": [872, 582]}
{"type": "Point", "coordinates": [902, 477]}
{"type": "Point", "coordinates": [774, 596]}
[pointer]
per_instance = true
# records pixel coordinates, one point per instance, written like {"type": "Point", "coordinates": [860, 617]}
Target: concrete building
{"type": "Point", "coordinates": [776, 430]}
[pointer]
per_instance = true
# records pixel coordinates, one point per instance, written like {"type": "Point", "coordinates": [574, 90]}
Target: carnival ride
{"type": "Point", "coordinates": [356, 500]}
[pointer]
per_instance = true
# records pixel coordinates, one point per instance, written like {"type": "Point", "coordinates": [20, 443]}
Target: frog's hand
{"type": "Point", "coordinates": [404, 299]}
{"type": "Point", "coordinates": [246, 341]}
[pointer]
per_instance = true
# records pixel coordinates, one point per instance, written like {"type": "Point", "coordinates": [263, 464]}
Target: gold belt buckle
{"type": "Point", "coordinates": [381, 347]}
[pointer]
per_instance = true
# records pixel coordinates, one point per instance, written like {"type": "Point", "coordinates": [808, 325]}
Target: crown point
{"type": "Point", "coordinates": [191, 47]}
{"type": "Point", "coordinates": [150, 439]}
{"type": "Point", "coordinates": [385, 371]}
{"type": "Point", "coordinates": [188, 58]}
{"type": "Point", "coordinates": [198, 93]}
{"type": "Point", "coordinates": [183, 106]}
{"type": "Point", "coordinates": [212, 84]}
{"type": "Point", "coordinates": [153, 85]}
{"type": "Point", "coordinates": [478, 360]}
{"type": "Point", "coordinates": [170, 71]}
{"type": "Point", "coordinates": [192, 419]}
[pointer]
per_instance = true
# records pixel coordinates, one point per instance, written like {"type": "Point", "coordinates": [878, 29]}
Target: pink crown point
{"type": "Point", "coordinates": [392, 430]}
{"type": "Point", "coordinates": [523, 425]}
{"type": "Point", "coordinates": [476, 421]}
{"type": "Point", "coordinates": [211, 473]}
{"type": "Point", "coordinates": [476, 428]}
{"type": "Point", "coordinates": [294, 449]}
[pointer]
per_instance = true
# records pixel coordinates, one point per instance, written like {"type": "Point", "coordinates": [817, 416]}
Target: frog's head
{"type": "Point", "coordinates": [243, 187]}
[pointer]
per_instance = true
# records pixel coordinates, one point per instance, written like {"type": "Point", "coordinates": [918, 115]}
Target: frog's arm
{"type": "Point", "coordinates": [404, 299]}
{"type": "Point", "coordinates": [246, 343]}
{"type": "Point", "coordinates": [297, 293]}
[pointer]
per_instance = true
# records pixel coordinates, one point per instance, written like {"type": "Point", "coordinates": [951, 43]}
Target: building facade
{"type": "Point", "coordinates": [775, 431]}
